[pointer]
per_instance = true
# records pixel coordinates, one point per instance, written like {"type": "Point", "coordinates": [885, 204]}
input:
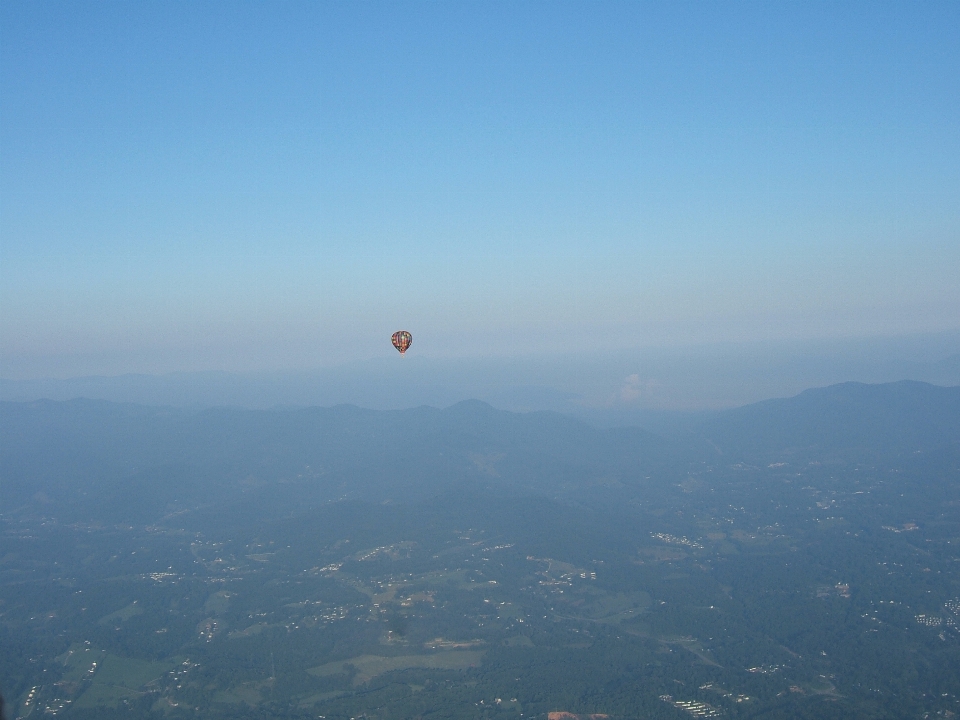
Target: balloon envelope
{"type": "Point", "coordinates": [402, 340]}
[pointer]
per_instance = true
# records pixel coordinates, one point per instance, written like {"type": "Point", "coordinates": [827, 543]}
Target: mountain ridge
{"type": "Point", "coordinates": [888, 418]}
{"type": "Point", "coordinates": [290, 457]}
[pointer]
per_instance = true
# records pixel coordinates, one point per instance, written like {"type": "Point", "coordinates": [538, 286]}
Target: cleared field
{"type": "Point", "coordinates": [369, 666]}
{"type": "Point", "coordinates": [616, 607]}
{"type": "Point", "coordinates": [122, 615]}
{"type": "Point", "coordinates": [81, 662]}
{"type": "Point", "coordinates": [117, 678]}
{"type": "Point", "coordinates": [100, 695]}
{"type": "Point", "coordinates": [248, 693]}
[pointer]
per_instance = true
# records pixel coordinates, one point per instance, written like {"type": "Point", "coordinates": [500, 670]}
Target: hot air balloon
{"type": "Point", "coordinates": [402, 340]}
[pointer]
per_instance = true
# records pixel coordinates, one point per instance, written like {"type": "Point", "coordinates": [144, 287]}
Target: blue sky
{"type": "Point", "coordinates": [280, 186]}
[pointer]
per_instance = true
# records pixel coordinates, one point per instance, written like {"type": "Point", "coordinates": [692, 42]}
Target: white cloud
{"type": "Point", "coordinates": [630, 391]}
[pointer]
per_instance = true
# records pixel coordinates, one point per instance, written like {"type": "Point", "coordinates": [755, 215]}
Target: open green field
{"type": "Point", "coordinates": [368, 667]}
{"type": "Point", "coordinates": [122, 615]}
{"type": "Point", "coordinates": [118, 678]}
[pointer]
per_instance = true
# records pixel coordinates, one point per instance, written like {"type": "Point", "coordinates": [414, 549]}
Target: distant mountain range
{"type": "Point", "coordinates": [655, 389]}
{"type": "Point", "coordinates": [888, 419]}
{"type": "Point", "coordinates": [165, 458]}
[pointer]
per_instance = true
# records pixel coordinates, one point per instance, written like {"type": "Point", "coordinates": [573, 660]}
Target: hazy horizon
{"type": "Point", "coordinates": [257, 189]}
{"type": "Point", "coordinates": [610, 389]}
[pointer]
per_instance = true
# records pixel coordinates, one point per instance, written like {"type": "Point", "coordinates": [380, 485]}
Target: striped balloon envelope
{"type": "Point", "coordinates": [402, 340]}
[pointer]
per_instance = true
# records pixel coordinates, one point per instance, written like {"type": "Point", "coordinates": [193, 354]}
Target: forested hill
{"type": "Point", "coordinates": [888, 420]}
{"type": "Point", "coordinates": [316, 454]}
{"type": "Point", "coordinates": [161, 460]}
